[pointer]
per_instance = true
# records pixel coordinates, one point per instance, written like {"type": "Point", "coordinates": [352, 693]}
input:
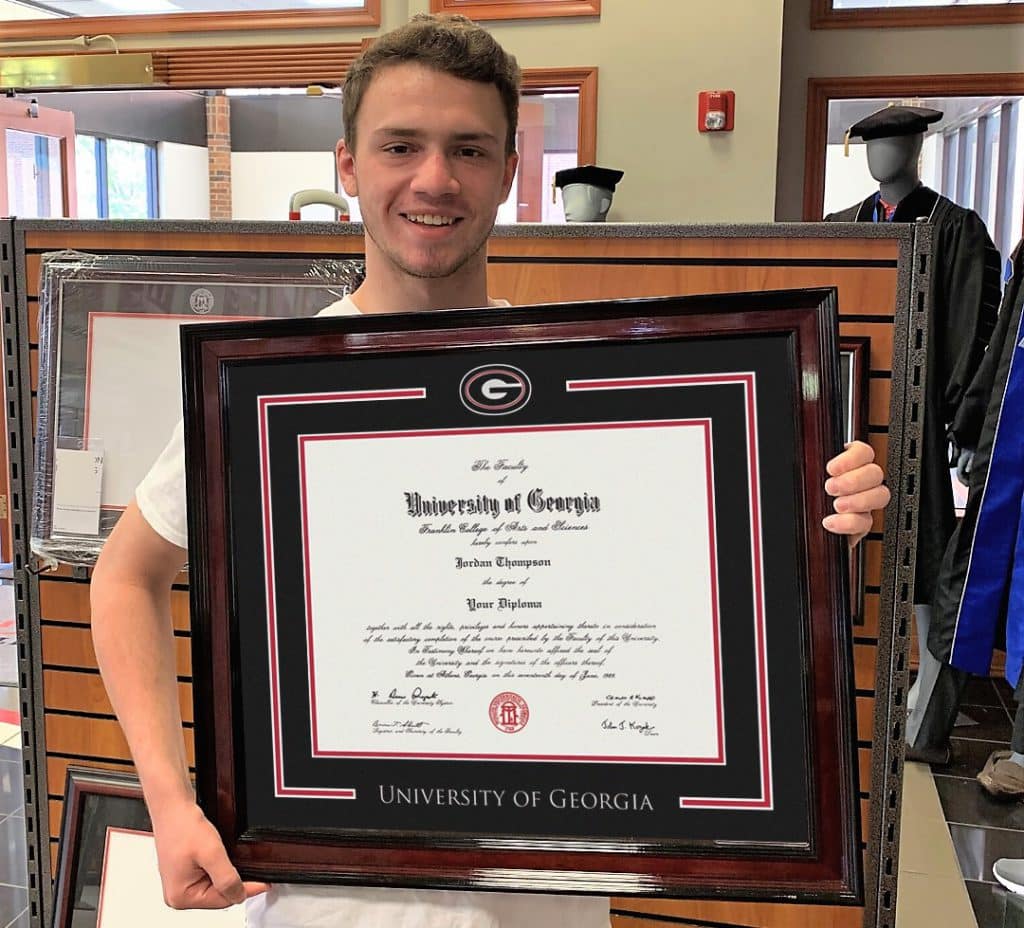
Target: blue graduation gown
{"type": "Point", "coordinates": [980, 588]}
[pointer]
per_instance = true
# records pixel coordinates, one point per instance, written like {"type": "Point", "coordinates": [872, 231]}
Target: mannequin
{"type": "Point", "coordinates": [893, 163]}
{"type": "Point", "coordinates": [965, 300]}
{"type": "Point", "coordinates": [586, 192]}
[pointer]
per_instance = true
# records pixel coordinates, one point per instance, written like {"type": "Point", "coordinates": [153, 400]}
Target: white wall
{"type": "Point", "coordinates": [262, 183]}
{"type": "Point", "coordinates": [653, 58]}
{"type": "Point", "coordinates": [184, 172]}
{"type": "Point", "coordinates": [847, 180]}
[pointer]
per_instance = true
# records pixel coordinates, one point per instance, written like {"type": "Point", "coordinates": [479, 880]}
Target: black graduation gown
{"type": "Point", "coordinates": [974, 595]}
{"type": "Point", "coordinates": [965, 301]}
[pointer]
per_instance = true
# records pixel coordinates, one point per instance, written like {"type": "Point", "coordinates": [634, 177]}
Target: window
{"type": "Point", "coordinates": [517, 9]}
{"type": "Point", "coordinates": [70, 18]}
{"type": "Point", "coordinates": [117, 179]}
{"type": "Point", "coordinates": [34, 178]}
{"type": "Point", "coordinates": [890, 4]}
{"type": "Point", "coordinates": [548, 140]}
{"type": "Point", "coordinates": [861, 13]}
{"type": "Point", "coordinates": [972, 155]}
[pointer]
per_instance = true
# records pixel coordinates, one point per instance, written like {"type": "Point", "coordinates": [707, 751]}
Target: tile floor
{"type": "Point", "coordinates": [13, 875]}
{"type": "Point", "coordinates": [982, 830]}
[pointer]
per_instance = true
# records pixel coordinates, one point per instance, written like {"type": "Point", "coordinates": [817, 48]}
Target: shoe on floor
{"type": "Point", "coordinates": [1001, 777]}
{"type": "Point", "coordinates": [1010, 872]}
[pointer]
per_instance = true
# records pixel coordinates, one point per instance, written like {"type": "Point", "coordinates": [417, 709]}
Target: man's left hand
{"type": "Point", "coordinates": [855, 482]}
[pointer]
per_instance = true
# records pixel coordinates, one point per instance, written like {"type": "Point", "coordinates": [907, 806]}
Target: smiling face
{"type": "Point", "coordinates": [430, 170]}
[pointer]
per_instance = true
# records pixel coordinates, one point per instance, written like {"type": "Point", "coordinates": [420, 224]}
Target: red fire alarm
{"type": "Point", "coordinates": [715, 110]}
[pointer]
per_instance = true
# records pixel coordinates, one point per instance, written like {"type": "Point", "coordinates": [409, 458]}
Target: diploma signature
{"type": "Point", "coordinates": [627, 701]}
{"type": "Point", "coordinates": [401, 727]}
{"type": "Point", "coordinates": [412, 727]}
{"type": "Point", "coordinates": [642, 728]}
{"type": "Point", "coordinates": [400, 697]}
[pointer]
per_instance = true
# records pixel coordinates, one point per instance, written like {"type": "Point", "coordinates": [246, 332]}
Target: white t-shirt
{"type": "Point", "coordinates": [161, 500]}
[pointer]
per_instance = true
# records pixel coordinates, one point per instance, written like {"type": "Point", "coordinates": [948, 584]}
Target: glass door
{"type": "Point", "coordinates": [37, 161]}
{"type": "Point", "coordinates": [37, 181]}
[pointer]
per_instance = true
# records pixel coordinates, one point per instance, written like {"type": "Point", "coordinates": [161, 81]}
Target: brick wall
{"type": "Point", "coordinates": [218, 140]}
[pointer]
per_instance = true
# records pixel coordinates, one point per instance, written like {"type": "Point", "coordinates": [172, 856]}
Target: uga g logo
{"type": "Point", "coordinates": [495, 389]}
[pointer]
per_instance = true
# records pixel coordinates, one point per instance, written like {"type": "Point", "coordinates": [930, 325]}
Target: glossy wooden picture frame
{"type": "Point", "coordinates": [826, 867]}
{"type": "Point", "coordinates": [94, 800]}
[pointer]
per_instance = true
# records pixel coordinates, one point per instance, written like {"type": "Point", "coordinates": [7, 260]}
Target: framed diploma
{"type": "Point", "coordinates": [526, 599]}
{"type": "Point", "coordinates": [110, 370]}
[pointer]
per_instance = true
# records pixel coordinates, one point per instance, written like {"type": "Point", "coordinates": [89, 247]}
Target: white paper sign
{"type": "Point", "coordinates": [133, 393]}
{"type": "Point", "coordinates": [131, 895]}
{"type": "Point", "coordinates": [77, 478]}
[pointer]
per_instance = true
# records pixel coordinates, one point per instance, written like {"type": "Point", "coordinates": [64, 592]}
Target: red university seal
{"type": "Point", "coordinates": [509, 712]}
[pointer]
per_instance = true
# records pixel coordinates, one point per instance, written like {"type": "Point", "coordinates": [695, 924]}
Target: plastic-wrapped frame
{"type": "Point", "coordinates": [109, 366]}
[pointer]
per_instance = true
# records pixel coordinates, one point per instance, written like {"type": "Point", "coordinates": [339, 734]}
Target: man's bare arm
{"type": "Point", "coordinates": [134, 641]}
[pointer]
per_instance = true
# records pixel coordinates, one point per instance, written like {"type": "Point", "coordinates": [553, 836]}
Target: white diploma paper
{"type": "Point", "coordinates": [131, 895]}
{"type": "Point", "coordinates": [133, 393]}
{"type": "Point", "coordinates": [586, 630]}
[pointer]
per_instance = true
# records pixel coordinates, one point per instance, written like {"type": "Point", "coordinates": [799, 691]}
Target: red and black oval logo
{"type": "Point", "coordinates": [495, 389]}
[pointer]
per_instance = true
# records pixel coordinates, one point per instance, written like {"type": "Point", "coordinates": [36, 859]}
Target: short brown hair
{"type": "Point", "coordinates": [451, 44]}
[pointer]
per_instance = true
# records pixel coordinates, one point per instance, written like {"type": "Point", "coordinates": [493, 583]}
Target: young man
{"type": "Point", "coordinates": [430, 116]}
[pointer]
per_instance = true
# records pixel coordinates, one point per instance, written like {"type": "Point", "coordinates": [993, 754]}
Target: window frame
{"type": "Point", "coordinates": [581, 81]}
{"type": "Point", "coordinates": [825, 16]}
{"type": "Point", "coordinates": [517, 9]}
{"type": "Point", "coordinates": [822, 90]}
{"type": "Point", "coordinates": [103, 174]}
{"type": "Point", "coordinates": [156, 23]}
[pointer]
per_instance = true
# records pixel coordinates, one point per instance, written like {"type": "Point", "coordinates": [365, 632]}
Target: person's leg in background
{"type": "Point", "coordinates": [933, 701]}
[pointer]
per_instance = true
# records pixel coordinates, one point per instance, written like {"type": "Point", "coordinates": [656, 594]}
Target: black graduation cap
{"type": "Point", "coordinates": [605, 178]}
{"type": "Point", "coordinates": [894, 120]}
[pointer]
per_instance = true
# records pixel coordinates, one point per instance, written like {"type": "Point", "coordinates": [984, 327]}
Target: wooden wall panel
{"type": "Point", "coordinates": [101, 738]}
{"type": "Point", "coordinates": [559, 283]}
{"type": "Point", "coordinates": [73, 691]}
{"type": "Point", "coordinates": [69, 601]}
{"type": "Point", "coordinates": [79, 725]}
{"type": "Point", "coordinates": [865, 724]}
{"type": "Point", "coordinates": [56, 774]}
{"type": "Point", "coordinates": [871, 605]}
{"type": "Point", "coordinates": [71, 646]}
{"type": "Point", "coordinates": [878, 399]}
{"type": "Point", "coordinates": [864, 666]}
{"type": "Point", "coordinates": [861, 251]}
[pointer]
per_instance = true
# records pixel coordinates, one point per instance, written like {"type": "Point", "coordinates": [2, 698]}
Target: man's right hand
{"type": "Point", "coordinates": [194, 867]}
